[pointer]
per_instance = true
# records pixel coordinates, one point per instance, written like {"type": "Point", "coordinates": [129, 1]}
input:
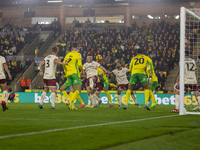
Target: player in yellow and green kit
{"type": "Point", "coordinates": [153, 81]}
{"type": "Point", "coordinates": [66, 86]}
{"type": "Point", "coordinates": [138, 72]}
{"type": "Point", "coordinates": [73, 75]}
{"type": "Point", "coordinates": [103, 85]}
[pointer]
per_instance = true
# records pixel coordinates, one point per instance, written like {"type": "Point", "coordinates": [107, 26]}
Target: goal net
{"type": "Point", "coordinates": [189, 61]}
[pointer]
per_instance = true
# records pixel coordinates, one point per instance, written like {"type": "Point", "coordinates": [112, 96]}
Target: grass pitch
{"type": "Point", "coordinates": [26, 127]}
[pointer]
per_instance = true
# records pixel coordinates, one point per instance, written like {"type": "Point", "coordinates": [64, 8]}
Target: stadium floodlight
{"type": "Point", "coordinates": [189, 45]}
{"type": "Point", "coordinates": [150, 17]}
{"type": "Point", "coordinates": [54, 1]}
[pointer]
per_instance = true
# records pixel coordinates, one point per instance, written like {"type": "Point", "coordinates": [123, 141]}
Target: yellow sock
{"type": "Point", "coordinates": [65, 94]}
{"type": "Point", "coordinates": [152, 97]}
{"type": "Point", "coordinates": [80, 99]}
{"type": "Point", "coordinates": [146, 92]}
{"type": "Point", "coordinates": [128, 93]}
{"type": "Point", "coordinates": [109, 96]}
{"type": "Point", "coordinates": [74, 96]}
{"type": "Point", "coordinates": [70, 95]}
{"type": "Point", "coordinates": [112, 85]}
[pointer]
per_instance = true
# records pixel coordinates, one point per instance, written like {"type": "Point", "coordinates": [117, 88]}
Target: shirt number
{"type": "Point", "coordinates": [139, 61]}
{"type": "Point", "coordinates": [47, 63]}
{"type": "Point", "coordinates": [190, 67]}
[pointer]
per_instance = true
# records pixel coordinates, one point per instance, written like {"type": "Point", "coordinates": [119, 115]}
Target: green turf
{"type": "Point", "coordinates": [146, 130]}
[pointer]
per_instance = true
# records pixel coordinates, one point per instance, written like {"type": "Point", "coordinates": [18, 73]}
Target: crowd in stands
{"type": "Point", "coordinates": [54, 26]}
{"type": "Point", "coordinates": [160, 40]}
{"type": "Point", "coordinates": [17, 66]}
{"type": "Point", "coordinates": [11, 44]}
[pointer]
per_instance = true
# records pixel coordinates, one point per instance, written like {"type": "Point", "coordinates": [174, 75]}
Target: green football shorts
{"type": "Point", "coordinates": [73, 79]}
{"type": "Point", "coordinates": [138, 76]}
{"type": "Point", "coordinates": [153, 85]}
{"type": "Point", "coordinates": [105, 83]}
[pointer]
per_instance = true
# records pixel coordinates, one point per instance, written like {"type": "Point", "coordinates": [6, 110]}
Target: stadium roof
{"type": "Point", "coordinates": [4, 3]}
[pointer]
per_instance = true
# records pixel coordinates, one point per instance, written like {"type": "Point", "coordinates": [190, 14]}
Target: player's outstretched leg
{"type": "Point", "coordinates": [53, 99]}
{"type": "Point", "coordinates": [3, 104]}
{"type": "Point", "coordinates": [128, 93]}
{"type": "Point", "coordinates": [146, 93]}
{"type": "Point", "coordinates": [42, 99]}
{"type": "Point", "coordinates": [154, 102]}
{"type": "Point", "coordinates": [177, 103]}
{"type": "Point", "coordinates": [81, 101]}
{"type": "Point", "coordinates": [134, 99]}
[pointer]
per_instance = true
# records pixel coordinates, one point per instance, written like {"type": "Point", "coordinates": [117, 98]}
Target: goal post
{"type": "Point", "coordinates": [189, 33]}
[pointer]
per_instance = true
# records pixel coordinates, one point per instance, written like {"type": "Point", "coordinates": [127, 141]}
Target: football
{"type": "Point", "coordinates": [98, 58]}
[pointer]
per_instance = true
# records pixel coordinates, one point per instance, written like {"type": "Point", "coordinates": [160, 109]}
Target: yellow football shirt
{"type": "Point", "coordinates": [101, 75]}
{"type": "Point", "coordinates": [154, 77]}
{"type": "Point", "coordinates": [74, 63]}
{"type": "Point", "coordinates": [139, 63]}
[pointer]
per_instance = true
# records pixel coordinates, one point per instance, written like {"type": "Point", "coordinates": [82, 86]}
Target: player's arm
{"type": "Point", "coordinates": [40, 66]}
{"type": "Point", "coordinates": [7, 70]}
{"type": "Point", "coordinates": [131, 66]}
{"type": "Point", "coordinates": [149, 61]}
{"type": "Point", "coordinates": [80, 65]}
{"type": "Point", "coordinates": [110, 72]}
{"type": "Point", "coordinates": [59, 62]}
{"type": "Point", "coordinates": [103, 69]}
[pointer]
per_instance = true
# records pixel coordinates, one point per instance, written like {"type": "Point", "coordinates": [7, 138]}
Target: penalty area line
{"type": "Point", "coordinates": [85, 126]}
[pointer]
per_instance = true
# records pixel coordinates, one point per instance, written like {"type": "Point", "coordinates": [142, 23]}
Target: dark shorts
{"type": "Point", "coordinates": [99, 86]}
{"type": "Point", "coordinates": [122, 86]}
{"type": "Point", "coordinates": [49, 82]}
{"type": "Point", "coordinates": [2, 81]}
{"type": "Point", "coordinates": [88, 81]}
{"type": "Point", "coordinates": [193, 87]}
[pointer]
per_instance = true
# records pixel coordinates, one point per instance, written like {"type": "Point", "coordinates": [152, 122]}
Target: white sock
{"type": "Point", "coordinates": [133, 97]}
{"type": "Point", "coordinates": [177, 101]}
{"type": "Point", "coordinates": [119, 99]}
{"type": "Point", "coordinates": [91, 83]}
{"type": "Point", "coordinates": [198, 98]}
{"type": "Point", "coordinates": [5, 94]}
{"type": "Point", "coordinates": [93, 99]}
{"type": "Point", "coordinates": [53, 99]}
{"type": "Point", "coordinates": [89, 99]}
{"type": "Point", "coordinates": [42, 97]}
{"type": "Point", "coordinates": [96, 97]}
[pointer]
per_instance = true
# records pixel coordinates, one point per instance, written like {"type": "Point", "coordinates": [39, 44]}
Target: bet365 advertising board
{"type": "Point", "coordinates": [162, 99]}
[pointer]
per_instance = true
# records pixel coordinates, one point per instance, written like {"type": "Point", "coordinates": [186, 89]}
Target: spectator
{"type": "Point", "coordinates": [11, 96]}
{"type": "Point", "coordinates": [27, 63]}
{"type": "Point", "coordinates": [28, 82]}
{"type": "Point", "coordinates": [22, 65]}
{"type": "Point", "coordinates": [36, 51]}
{"type": "Point", "coordinates": [8, 89]}
{"type": "Point", "coordinates": [23, 83]}
{"type": "Point", "coordinates": [170, 91]}
{"type": "Point", "coordinates": [164, 90]}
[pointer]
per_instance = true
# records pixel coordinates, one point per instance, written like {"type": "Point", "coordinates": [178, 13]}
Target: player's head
{"type": "Point", "coordinates": [89, 58]}
{"type": "Point", "coordinates": [187, 53]}
{"type": "Point", "coordinates": [118, 65]}
{"type": "Point", "coordinates": [140, 51]}
{"type": "Point", "coordinates": [54, 50]}
{"type": "Point", "coordinates": [74, 46]}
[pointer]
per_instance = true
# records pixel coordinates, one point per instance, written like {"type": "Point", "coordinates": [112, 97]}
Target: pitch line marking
{"type": "Point", "coordinates": [21, 119]}
{"type": "Point", "coordinates": [80, 127]}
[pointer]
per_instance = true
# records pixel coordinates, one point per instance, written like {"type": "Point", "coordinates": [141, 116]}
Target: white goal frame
{"type": "Point", "coordinates": [183, 11]}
